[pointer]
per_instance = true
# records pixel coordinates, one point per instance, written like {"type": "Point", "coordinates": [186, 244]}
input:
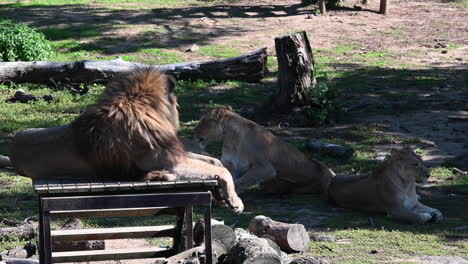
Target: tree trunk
{"type": "Point", "coordinates": [330, 149]}
{"type": "Point", "coordinates": [383, 7]}
{"type": "Point", "coordinates": [295, 70]}
{"type": "Point", "coordinates": [322, 7]}
{"type": "Point", "coordinates": [289, 237]}
{"type": "Point", "coordinates": [61, 246]}
{"type": "Point", "coordinates": [250, 67]}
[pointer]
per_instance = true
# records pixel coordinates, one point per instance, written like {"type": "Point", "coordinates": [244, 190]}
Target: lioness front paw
{"type": "Point", "coordinates": [424, 217]}
{"type": "Point", "coordinates": [437, 216]}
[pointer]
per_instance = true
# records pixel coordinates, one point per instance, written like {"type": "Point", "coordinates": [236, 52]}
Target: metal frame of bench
{"type": "Point", "coordinates": [90, 199]}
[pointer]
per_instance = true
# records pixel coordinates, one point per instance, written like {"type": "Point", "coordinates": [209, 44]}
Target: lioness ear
{"type": "Point", "coordinates": [219, 113]}
{"type": "Point", "coordinates": [228, 107]}
{"type": "Point", "coordinates": [395, 153]}
{"type": "Point", "coordinates": [171, 83]}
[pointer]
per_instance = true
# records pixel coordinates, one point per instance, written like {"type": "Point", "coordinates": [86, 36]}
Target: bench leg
{"type": "Point", "coordinates": [177, 247]}
{"type": "Point", "coordinates": [47, 246]}
{"type": "Point", "coordinates": [41, 234]}
{"type": "Point", "coordinates": [208, 247]}
{"type": "Point", "coordinates": [189, 226]}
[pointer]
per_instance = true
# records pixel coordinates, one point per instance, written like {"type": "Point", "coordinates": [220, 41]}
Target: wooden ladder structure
{"type": "Point", "coordinates": [69, 199]}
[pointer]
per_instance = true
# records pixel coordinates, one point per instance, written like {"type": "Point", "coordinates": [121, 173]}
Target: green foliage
{"type": "Point", "coordinates": [322, 102]}
{"type": "Point", "coordinates": [19, 42]}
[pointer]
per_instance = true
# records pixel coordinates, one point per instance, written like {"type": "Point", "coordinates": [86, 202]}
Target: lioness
{"type": "Point", "coordinates": [130, 133]}
{"type": "Point", "coordinates": [390, 189]}
{"type": "Point", "coordinates": [255, 156]}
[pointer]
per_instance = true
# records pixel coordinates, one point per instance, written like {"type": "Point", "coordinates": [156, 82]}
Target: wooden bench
{"type": "Point", "coordinates": [68, 199]}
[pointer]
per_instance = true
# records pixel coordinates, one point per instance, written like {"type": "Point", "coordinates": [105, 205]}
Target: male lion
{"type": "Point", "coordinates": [390, 189]}
{"type": "Point", "coordinates": [255, 156]}
{"type": "Point", "coordinates": [130, 133]}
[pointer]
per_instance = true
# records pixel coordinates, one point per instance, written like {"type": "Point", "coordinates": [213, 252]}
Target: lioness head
{"type": "Point", "coordinates": [210, 127]}
{"type": "Point", "coordinates": [410, 166]}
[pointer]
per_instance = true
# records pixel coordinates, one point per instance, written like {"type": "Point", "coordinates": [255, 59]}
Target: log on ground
{"type": "Point", "coordinates": [255, 250]}
{"type": "Point", "coordinates": [250, 67]}
{"type": "Point", "coordinates": [219, 232]}
{"type": "Point", "coordinates": [196, 255]}
{"type": "Point", "coordinates": [61, 246]}
{"type": "Point", "coordinates": [27, 231]}
{"type": "Point", "coordinates": [289, 237]}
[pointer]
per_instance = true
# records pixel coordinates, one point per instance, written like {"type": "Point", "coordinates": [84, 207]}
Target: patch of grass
{"type": "Point", "coordinates": [64, 108]}
{"type": "Point", "coordinates": [219, 51]}
{"type": "Point", "coordinates": [72, 32]}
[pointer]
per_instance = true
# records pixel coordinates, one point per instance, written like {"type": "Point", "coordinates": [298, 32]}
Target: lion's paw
{"type": "Point", "coordinates": [237, 205]}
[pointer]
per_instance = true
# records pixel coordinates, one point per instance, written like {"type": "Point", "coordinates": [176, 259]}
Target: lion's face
{"type": "Point", "coordinates": [210, 127]}
{"type": "Point", "coordinates": [411, 166]}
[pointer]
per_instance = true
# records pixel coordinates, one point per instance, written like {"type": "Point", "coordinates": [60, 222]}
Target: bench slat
{"type": "Point", "coordinates": [109, 254]}
{"type": "Point", "coordinates": [113, 233]}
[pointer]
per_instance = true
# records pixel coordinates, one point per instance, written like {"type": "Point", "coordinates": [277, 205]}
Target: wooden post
{"type": "Point", "coordinates": [383, 7]}
{"type": "Point", "coordinates": [322, 7]}
{"type": "Point", "coordinates": [296, 70]}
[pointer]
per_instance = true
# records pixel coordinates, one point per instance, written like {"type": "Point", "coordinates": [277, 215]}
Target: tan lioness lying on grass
{"type": "Point", "coordinates": [255, 156]}
{"type": "Point", "coordinates": [390, 189]}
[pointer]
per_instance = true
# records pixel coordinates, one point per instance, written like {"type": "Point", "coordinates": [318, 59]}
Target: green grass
{"type": "Point", "coordinates": [219, 51]}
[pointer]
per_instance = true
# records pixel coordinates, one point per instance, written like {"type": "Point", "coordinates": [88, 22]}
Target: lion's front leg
{"type": "Point", "coordinates": [409, 216]}
{"type": "Point", "coordinates": [189, 169]}
{"type": "Point", "coordinates": [436, 214]}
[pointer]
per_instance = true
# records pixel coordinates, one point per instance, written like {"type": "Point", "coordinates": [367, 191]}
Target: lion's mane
{"type": "Point", "coordinates": [135, 116]}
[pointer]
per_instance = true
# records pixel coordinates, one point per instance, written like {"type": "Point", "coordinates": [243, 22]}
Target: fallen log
{"type": "Point", "coordinates": [27, 231]}
{"type": "Point", "coordinates": [306, 260]}
{"type": "Point", "coordinates": [19, 261]}
{"type": "Point", "coordinates": [61, 246]}
{"type": "Point", "coordinates": [250, 67]}
{"type": "Point", "coordinates": [289, 237]}
{"type": "Point", "coordinates": [330, 149]}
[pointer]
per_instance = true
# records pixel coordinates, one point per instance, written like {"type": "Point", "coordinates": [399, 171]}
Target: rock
{"type": "Point", "coordinates": [443, 260]}
{"type": "Point", "coordinates": [193, 48]}
{"type": "Point", "coordinates": [306, 260]}
{"type": "Point", "coordinates": [324, 237]}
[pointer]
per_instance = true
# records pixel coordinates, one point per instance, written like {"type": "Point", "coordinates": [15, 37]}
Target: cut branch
{"type": "Point", "coordinates": [250, 67]}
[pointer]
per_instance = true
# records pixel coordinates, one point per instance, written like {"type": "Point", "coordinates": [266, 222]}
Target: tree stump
{"type": "Point", "coordinates": [295, 70]}
{"type": "Point", "coordinates": [289, 237]}
{"type": "Point", "coordinates": [322, 7]}
{"type": "Point", "coordinates": [383, 7]}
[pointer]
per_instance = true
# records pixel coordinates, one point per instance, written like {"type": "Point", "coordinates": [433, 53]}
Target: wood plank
{"type": "Point", "coordinates": [142, 211]}
{"type": "Point", "coordinates": [113, 233]}
{"type": "Point", "coordinates": [94, 202]}
{"type": "Point", "coordinates": [109, 254]}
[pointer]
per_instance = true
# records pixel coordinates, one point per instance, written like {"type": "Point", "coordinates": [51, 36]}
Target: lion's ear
{"type": "Point", "coordinates": [228, 107]}
{"type": "Point", "coordinates": [219, 113]}
{"type": "Point", "coordinates": [171, 83]}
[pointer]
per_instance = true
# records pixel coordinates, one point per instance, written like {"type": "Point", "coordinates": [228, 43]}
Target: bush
{"type": "Point", "coordinates": [322, 102]}
{"type": "Point", "coordinates": [19, 42]}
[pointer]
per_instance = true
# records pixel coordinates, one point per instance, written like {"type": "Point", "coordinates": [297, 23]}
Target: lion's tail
{"type": "Point", "coordinates": [5, 162]}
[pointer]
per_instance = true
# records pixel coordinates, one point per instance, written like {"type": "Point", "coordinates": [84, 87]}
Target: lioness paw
{"type": "Point", "coordinates": [424, 217]}
{"type": "Point", "coordinates": [437, 216]}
